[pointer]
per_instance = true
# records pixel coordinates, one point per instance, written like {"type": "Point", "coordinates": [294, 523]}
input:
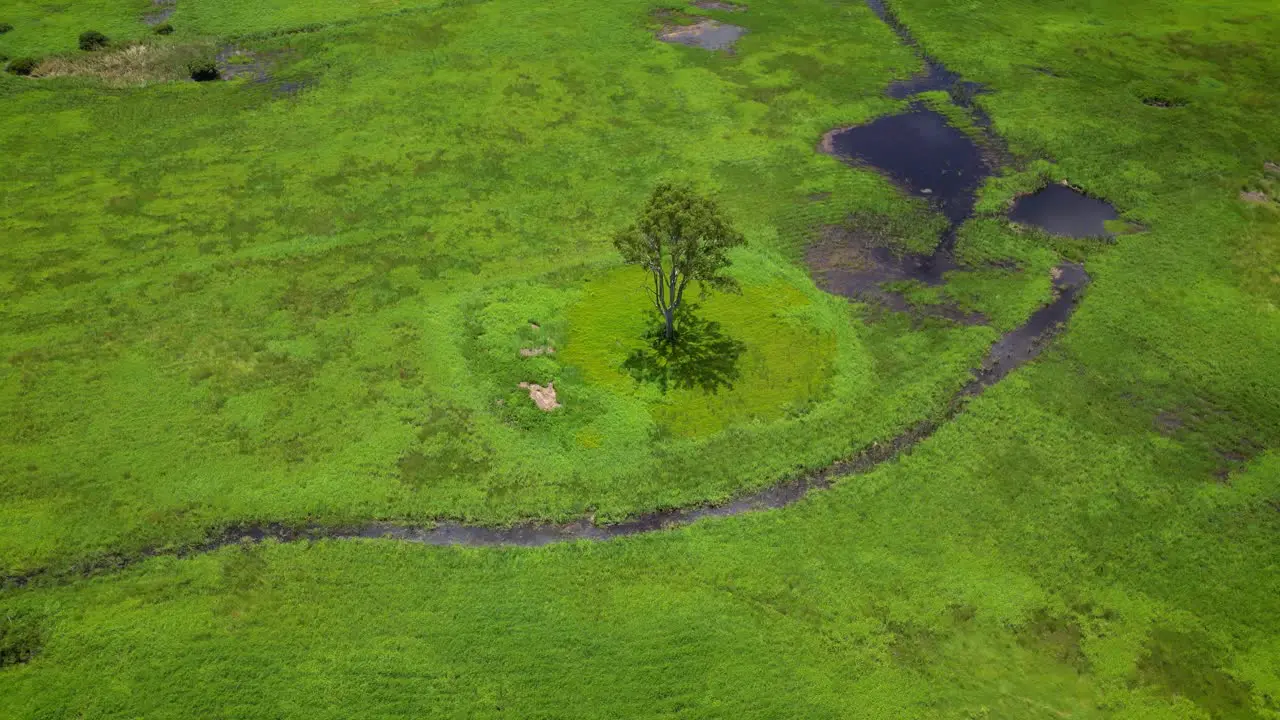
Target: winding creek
{"type": "Point", "coordinates": [920, 151]}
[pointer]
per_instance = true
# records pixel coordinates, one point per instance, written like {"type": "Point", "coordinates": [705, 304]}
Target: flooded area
{"type": "Point", "coordinates": [922, 153]}
{"type": "Point", "coordinates": [1062, 210]}
{"type": "Point", "coordinates": [162, 11]}
{"type": "Point", "coordinates": [852, 262]}
{"type": "Point", "coordinates": [707, 34]}
{"type": "Point", "coordinates": [917, 149]}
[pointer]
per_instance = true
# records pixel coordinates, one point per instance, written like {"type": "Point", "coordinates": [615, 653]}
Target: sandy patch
{"type": "Point", "coordinates": [543, 397]}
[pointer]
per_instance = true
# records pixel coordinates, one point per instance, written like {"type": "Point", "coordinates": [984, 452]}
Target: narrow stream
{"type": "Point", "coordinates": [902, 145]}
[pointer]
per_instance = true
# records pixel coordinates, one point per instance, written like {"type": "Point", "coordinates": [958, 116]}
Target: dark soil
{"type": "Point", "coordinates": [855, 263]}
{"type": "Point", "coordinates": [1168, 423]}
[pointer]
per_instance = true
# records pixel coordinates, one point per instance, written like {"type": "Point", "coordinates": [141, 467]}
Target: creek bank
{"type": "Point", "coordinates": [957, 178]}
{"type": "Point", "coordinates": [1011, 351]}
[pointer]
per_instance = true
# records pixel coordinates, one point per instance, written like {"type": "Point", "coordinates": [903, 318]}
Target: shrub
{"type": "Point", "coordinates": [23, 66]}
{"type": "Point", "coordinates": [92, 40]}
{"type": "Point", "coordinates": [21, 638]}
{"type": "Point", "coordinates": [5, 27]}
{"type": "Point", "coordinates": [163, 29]}
{"type": "Point", "coordinates": [203, 70]}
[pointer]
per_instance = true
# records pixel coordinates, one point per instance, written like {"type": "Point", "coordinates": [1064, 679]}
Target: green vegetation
{"type": "Point", "coordinates": [203, 70]}
{"type": "Point", "coordinates": [784, 370]}
{"type": "Point", "coordinates": [256, 325]}
{"type": "Point", "coordinates": [91, 40]}
{"type": "Point", "coordinates": [238, 302]}
{"type": "Point", "coordinates": [680, 238]}
{"type": "Point", "coordinates": [22, 66]}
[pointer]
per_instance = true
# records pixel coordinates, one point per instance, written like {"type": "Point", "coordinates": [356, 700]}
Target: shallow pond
{"type": "Point", "coordinates": [922, 152]}
{"type": "Point", "coordinates": [1061, 210]}
{"type": "Point", "coordinates": [708, 35]}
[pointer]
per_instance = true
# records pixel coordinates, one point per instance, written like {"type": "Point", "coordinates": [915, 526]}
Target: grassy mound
{"type": "Point", "coordinates": [783, 369]}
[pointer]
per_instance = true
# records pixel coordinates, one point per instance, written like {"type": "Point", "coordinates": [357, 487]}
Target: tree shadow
{"type": "Point", "coordinates": [699, 356]}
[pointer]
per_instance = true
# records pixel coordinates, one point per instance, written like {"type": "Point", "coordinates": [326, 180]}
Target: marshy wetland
{"type": "Point", "coordinates": [321, 380]}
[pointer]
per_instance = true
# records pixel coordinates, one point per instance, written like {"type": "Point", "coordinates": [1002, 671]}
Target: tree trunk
{"type": "Point", "coordinates": [670, 315]}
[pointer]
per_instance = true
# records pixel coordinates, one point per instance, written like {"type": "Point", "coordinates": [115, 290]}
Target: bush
{"type": "Point", "coordinates": [203, 70]}
{"type": "Point", "coordinates": [163, 29]}
{"type": "Point", "coordinates": [21, 638]}
{"type": "Point", "coordinates": [91, 40]}
{"type": "Point", "coordinates": [5, 27]}
{"type": "Point", "coordinates": [23, 66]}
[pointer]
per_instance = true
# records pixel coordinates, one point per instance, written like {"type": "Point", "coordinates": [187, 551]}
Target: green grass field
{"type": "Point", "coordinates": [300, 297]}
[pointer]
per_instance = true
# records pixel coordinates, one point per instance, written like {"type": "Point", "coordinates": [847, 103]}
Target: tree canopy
{"type": "Point", "coordinates": [680, 237]}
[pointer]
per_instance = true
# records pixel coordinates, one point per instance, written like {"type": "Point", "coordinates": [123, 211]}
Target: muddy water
{"type": "Point", "coordinates": [1061, 210]}
{"type": "Point", "coordinates": [708, 35]}
{"type": "Point", "coordinates": [163, 11]}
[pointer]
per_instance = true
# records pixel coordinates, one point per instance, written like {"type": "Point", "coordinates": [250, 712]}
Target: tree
{"type": "Point", "coordinates": [680, 237]}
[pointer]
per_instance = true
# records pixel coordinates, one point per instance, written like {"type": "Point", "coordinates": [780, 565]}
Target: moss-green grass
{"type": "Point", "coordinates": [225, 303]}
{"type": "Point", "coordinates": [230, 302]}
{"type": "Point", "coordinates": [784, 366]}
{"type": "Point", "coordinates": [40, 28]}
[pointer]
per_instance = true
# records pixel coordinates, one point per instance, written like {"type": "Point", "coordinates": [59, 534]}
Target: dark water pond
{"type": "Point", "coordinates": [1060, 210]}
{"type": "Point", "coordinates": [923, 153]}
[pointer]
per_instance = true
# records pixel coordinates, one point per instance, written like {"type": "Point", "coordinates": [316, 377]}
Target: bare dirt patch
{"type": "Point", "coordinates": [1255, 196]}
{"type": "Point", "coordinates": [543, 397]}
{"type": "Point", "coordinates": [536, 351]}
{"type": "Point", "coordinates": [706, 34]}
